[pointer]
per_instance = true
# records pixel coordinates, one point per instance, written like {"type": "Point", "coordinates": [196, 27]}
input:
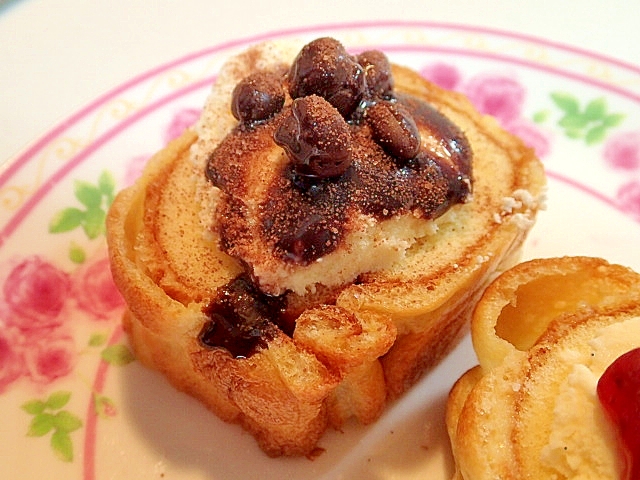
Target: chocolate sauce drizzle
{"type": "Point", "coordinates": [242, 319]}
{"type": "Point", "coordinates": [354, 147]}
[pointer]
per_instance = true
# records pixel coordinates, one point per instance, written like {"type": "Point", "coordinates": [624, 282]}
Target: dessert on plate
{"type": "Point", "coordinates": [318, 239]}
{"type": "Point", "coordinates": [557, 390]}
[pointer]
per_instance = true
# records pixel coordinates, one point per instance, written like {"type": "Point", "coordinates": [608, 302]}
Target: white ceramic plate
{"type": "Point", "coordinates": [76, 404]}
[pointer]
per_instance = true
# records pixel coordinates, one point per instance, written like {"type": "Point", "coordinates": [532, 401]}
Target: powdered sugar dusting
{"type": "Point", "coordinates": [216, 120]}
{"type": "Point", "coordinates": [520, 208]}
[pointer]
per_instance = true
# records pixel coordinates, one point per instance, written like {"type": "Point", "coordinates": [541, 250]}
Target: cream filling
{"type": "Point", "coordinates": [378, 246]}
{"type": "Point", "coordinates": [375, 247]}
{"type": "Point", "coordinates": [582, 440]}
{"type": "Point", "coordinates": [216, 119]}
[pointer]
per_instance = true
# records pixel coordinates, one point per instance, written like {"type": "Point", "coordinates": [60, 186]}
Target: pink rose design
{"type": "Point", "coordinates": [499, 96]}
{"type": "Point", "coordinates": [531, 135]}
{"type": "Point", "coordinates": [11, 364]}
{"type": "Point", "coordinates": [49, 356]}
{"type": "Point", "coordinates": [95, 291]}
{"type": "Point", "coordinates": [181, 121]}
{"type": "Point", "coordinates": [134, 169]}
{"type": "Point", "coordinates": [442, 74]}
{"type": "Point", "coordinates": [629, 198]}
{"type": "Point", "coordinates": [623, 151]}
{"type": "Point", "coordinates": [105, 407]}
{"type": "Point", "coordinates": [35, 292]}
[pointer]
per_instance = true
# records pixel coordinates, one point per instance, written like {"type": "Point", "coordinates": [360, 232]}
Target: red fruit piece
{"type": "Point", "coordinates": [619, 394]}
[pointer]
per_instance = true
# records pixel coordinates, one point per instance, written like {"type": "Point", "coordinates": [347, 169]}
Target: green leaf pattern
{"type": "Point", "coordinates": [589, 123]}
{"type": "Point", "coordinates": [103, 406]}
{"type": "Point", "coordinates": [97, 339]}
{"type": "Point", "coordinates": [118, 354]}
{"type": "Point", "coordinates": [95, 200]}
{"type": "Point", "coordinates": [49, 417]}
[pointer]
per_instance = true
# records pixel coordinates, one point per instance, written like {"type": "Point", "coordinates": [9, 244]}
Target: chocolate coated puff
{"type": "Point", "coordinates": [257, 97]}
{"type": "Point", "coordinates": [353, 145]}
{"type": "Point", "coordinates": [315, 137]}
{"type": "Point", "coordinates": [377, 71]}
{"type": "Point", "coordinates": [323, 67]}
{"type": "Point", "coordinates": [394, 129]}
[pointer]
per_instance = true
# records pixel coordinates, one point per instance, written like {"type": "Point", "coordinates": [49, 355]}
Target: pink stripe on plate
{"type": "Point", "coordinates": [28, 206]}
{"type": "Point", "coordinates": [515, 61]}
{"type": "Point", "coordinates": [76, 160]}
{"type": "Point", "coordinates": [90, 435]}
{"type": "Point", "coordinates": [19, 161]}
{"type": "Point", "coordinates": [584, 189]}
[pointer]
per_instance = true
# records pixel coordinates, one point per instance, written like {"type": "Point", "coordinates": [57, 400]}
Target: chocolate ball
{"type": "Point", "coordinates": [323, 67]}
{"type": "Point", "coordinates": [315, 137]}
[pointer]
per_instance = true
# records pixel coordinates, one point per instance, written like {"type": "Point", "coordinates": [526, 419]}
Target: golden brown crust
{"type": "Point", "coordinates": [537, 331]}
{"type": "Point", "coordinates": [396, 323]}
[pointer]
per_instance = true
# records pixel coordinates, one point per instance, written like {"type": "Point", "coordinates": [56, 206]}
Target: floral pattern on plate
{"type": "Point", "coordinates": [65, 367]}
{"type": "Point", "coordinates": [40, 304]}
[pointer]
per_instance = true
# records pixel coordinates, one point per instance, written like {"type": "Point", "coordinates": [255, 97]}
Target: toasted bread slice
{"type": "Point", "coordinates": [544, 332]}
{"type": "Point", "coordinates": [355, 345]}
